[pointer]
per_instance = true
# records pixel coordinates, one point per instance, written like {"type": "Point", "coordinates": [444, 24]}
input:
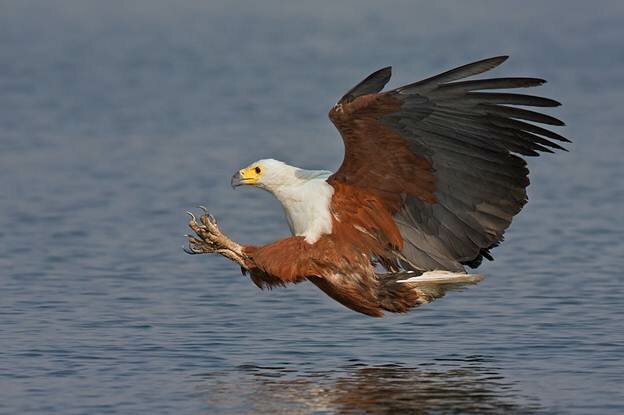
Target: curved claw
{"type": "Point", "coordinates": [191, 251]}
{"type": "Point", "coordinates": [188, 250]}
{"type": "Point", "coordinates": [211, 218]}
{"type": "Point", "coordinates": [191, 215]}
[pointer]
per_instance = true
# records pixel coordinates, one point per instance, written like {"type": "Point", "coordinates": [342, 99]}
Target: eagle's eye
{"type": "Point", "coordinates": [258, 170]}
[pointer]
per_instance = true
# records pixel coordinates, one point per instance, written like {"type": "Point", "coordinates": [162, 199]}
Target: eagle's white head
{"type": "Point", "coordinates": [304, 194]}
{"type": "Point", "coordinates": [268, 174]}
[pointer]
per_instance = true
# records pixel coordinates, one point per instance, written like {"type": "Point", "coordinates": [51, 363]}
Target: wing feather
{"type": "Point", "coordinates": [373, 83]}
{"type": "Point", "coordinates": [461, 72]}
{"type": "Point", "coordinates": [442, 153]}
{"type": "Point", "coordinates": [522, 114]}
{"type": "Point", "coordinates": [498, 83]}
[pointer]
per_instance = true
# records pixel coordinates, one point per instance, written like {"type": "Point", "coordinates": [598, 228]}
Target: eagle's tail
{"type": "Point", "coordinates": [396, 292]}
{"type": "Point", "coordinates": [400, 291]}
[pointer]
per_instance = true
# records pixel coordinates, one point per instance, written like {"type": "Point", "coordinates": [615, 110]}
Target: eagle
{"type": "Point", "coordinates": [431, 178]}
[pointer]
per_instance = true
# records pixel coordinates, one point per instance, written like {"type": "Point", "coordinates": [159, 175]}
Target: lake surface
{"type": "Point", "coordinates": [116, 117]}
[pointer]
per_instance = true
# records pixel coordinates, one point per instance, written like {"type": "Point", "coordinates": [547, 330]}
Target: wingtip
{"type": "Point", "coordinates": [492, 62]}
{"type": "Point", "coordinates": [386, 71]}
{"type": "Point", "coordinates": [496, 60]}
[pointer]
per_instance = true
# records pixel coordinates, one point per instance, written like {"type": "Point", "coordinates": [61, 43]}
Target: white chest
{"type": "Point", "coordinates": [307, 208]}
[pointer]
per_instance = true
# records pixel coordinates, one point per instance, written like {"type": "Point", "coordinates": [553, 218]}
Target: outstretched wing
{"type": "Point", "coordinates": [441, 155]}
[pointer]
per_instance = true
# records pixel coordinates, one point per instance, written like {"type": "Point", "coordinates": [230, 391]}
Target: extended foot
{"type": "Point", "coordinates": [209, 239]}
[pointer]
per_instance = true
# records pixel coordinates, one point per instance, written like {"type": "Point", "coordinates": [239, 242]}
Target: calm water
{"type": "Point", "coordinates": [116, 117]}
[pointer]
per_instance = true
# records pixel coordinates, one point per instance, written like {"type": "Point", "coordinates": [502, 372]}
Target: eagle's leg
{"type": "Point", "coordinates": [209, 239]}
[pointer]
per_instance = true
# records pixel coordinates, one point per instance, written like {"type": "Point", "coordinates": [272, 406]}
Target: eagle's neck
{"type": "Point", "coordinates": [306, 203]}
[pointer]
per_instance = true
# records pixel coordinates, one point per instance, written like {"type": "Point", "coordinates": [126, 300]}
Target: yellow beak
{"type": "Point", "coordinates": [245, 176]}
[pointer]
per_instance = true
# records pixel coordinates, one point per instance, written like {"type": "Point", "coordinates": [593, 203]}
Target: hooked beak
{"type": "Point", "coordinates": [237, 180]}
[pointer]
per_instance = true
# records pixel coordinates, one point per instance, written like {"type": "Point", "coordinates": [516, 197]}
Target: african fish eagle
{"type": "Point", "coordinates": [430, 181]}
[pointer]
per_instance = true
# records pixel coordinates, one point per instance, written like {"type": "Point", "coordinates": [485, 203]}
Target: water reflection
{"type": "Point", "coordinates": [468, 385]}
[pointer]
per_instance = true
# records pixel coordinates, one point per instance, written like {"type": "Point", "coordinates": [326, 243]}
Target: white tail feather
{"type": "Point", "coordinates": [443, 277]}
